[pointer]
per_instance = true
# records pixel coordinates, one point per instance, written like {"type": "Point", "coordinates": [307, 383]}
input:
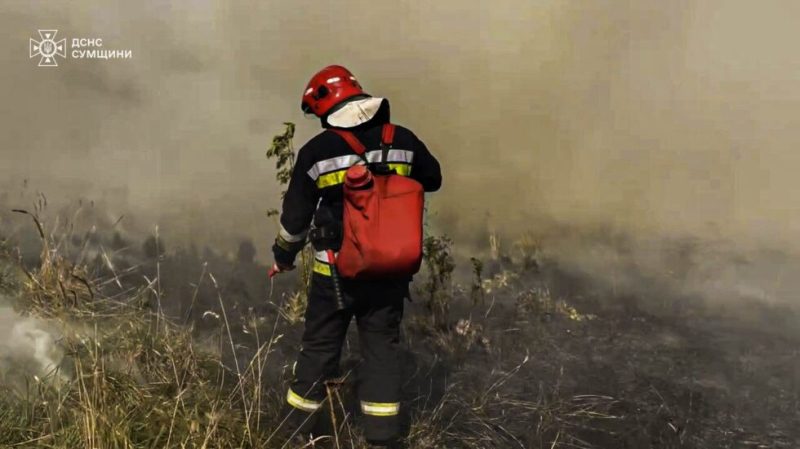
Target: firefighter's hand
{"type": "Point", "coordinates": [284, 260]}
{"type": "Point", "coordinates": [279, 268]}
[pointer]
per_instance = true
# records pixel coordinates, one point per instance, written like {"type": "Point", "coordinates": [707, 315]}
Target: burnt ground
{"type": "Point", "coordinates": [625, 373]}
{"type": "Point", "coordinates": [595, 371]}
{"type": "Point", "coordinates": [550, 360]}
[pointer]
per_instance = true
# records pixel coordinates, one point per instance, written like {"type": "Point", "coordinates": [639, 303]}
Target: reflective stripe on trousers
{"type": "Point", "coordinates": [380, 408]}
{"type": "Point", "coordinates": [301, 403]}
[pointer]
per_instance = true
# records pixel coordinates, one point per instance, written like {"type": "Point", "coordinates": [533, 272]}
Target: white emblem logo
{"type": "Point", "coordinates": [48, 48]}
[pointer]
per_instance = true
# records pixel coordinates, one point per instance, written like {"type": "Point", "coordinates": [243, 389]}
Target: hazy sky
{"type": "Point", "coordinates": [652, 115]}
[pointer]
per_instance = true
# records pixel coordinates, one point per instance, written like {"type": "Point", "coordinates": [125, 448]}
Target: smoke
{"type": "Point", "coordinates": [661, 120]}
{"type": "Point", "coordinates": [28, 348]}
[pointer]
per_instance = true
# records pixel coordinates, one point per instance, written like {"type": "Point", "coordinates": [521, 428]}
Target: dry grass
{"type": "Point", "coordinates": [524, 366]}
{"type": "Point", "coordinates": [131, 377]}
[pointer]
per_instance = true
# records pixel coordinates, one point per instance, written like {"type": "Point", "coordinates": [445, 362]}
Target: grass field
{"type": "Point", "coordinates": [113, 341]}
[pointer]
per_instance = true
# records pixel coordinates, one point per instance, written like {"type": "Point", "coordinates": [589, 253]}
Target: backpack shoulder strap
{"type": "Point", "coordinates": [351, 140]}
{"type": "Point", "coordinates": [387, 135]}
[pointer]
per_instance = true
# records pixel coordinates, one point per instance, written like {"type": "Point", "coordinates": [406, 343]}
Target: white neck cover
{"type": "Point", "coordinates": [355, 112]}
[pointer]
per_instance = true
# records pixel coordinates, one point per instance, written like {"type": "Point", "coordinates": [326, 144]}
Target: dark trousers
{"type": "Point", "coordinates": [378, 309]}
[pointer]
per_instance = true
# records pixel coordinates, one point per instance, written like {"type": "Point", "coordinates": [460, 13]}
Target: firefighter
{"type": "Point", "coordinates": [315, 195]}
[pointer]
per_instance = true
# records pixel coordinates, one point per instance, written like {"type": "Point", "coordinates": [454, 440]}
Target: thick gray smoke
{"type": "Point", "coordinates": [28, 347]}
{"type": "Point", "coordinates": [650, 118]}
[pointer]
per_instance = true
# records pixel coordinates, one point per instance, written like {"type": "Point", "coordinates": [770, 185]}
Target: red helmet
{"type": "Point", "coordinates": [329, 87]}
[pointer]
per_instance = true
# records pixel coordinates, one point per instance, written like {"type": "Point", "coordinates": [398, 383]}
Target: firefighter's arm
{"type": "Point", "coordinates": [426, 168]}
{"type": "Point", "coordinates": [298, 209]}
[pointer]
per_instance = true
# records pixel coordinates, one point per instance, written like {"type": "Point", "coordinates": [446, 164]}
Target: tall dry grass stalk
{"type": "Point", "coordinates": [132, 377]}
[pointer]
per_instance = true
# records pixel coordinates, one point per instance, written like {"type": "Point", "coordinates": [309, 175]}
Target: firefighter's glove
{"type": "Point", "coordinates": [284, 260]}
{"type": "Point", "coordinates": [284, 254]}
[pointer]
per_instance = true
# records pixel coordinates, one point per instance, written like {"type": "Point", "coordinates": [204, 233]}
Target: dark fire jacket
{"type": "Point", "coordinates": [316, 183]}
